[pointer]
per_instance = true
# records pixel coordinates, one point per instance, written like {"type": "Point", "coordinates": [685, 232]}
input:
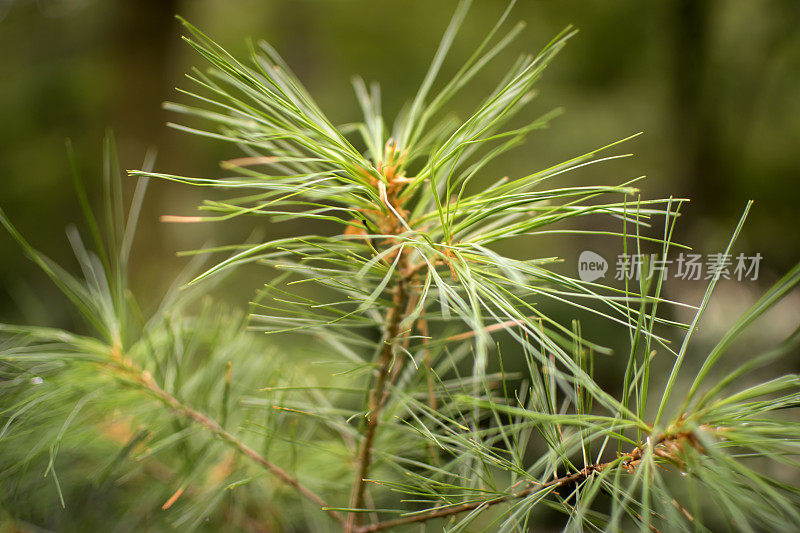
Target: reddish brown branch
{"type": "Point", "coordinates": [377, 397]}
{"type": "Point", "coordinates": [667, 447]}
{"type": "Point", "coordinates": [471, 506]}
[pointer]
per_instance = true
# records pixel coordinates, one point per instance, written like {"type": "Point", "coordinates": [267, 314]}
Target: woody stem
{"type": "Point", "coordinates": [377, 394]}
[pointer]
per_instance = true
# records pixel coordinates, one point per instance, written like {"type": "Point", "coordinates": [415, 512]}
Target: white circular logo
{"type": "Point", "coordinates": [591, 266]}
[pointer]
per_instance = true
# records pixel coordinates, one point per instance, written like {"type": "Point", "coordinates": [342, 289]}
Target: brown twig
{"type": "Point", "coordinates": [146, 381]}
{"type": "Point", "coordinates": [470, 506]}
{"type": "Point", "coordinates": [488, 329]}
{"type": "Point", "coordinates": [377, 395]}
{"type": "Point", "coordinates": [667, 447]}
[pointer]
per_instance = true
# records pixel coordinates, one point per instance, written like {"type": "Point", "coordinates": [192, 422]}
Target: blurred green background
{"type": "Point", "coordinates": [713, 85]}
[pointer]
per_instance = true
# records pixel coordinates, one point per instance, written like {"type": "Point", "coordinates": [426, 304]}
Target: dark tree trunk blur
{"type": "Point", "coordinates": [145, 33]}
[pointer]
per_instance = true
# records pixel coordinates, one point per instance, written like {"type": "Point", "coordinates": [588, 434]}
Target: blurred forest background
{"type": "Point", "coordinates": [712, 84]}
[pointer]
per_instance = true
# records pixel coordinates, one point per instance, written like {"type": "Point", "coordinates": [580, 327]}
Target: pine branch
{"type": "Point", "coordinates": [666, 447]}
{"type": "Point", "coordinates": [143, 378]}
